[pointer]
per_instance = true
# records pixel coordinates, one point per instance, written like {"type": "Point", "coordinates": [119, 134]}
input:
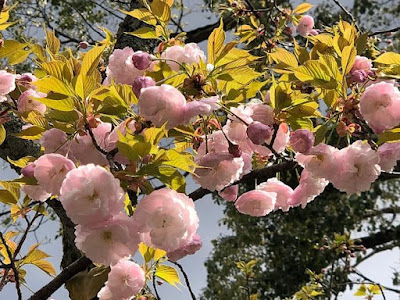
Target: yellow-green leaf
{"type": "Point", "coordinates": [302, 8]}
{"type": "Point", "coordinates": [52, 84]}
{"type": "Point", "coordinates": [3, 134]}
{"type": "Point", "coordinates": [91, 60]}
{"type": "Point", "coordinates": [161, 9]}
{"type": "Point", "coordinates": [168, 274]}
{"type": "Point", "coordinates": [215, 42]}
{"type": "Point", "coordinates": [52, 42]}
{"type": "Point", "coordinates": [45, 266]}
{"type": "Point", "coordinates": [58, 102]}
{"type": "Point", "coordinates": [143, 15]}
{"type": "Point", "coordinates": [22, 162]}
{"type": "Point", "coordinates": [145, 33]}
{"type": "Point", "coordinates": [31, 133]}
{"type": "Point", "coordinates": [389, 58]}
{"type": "Point", "coordinates": [349, 54]}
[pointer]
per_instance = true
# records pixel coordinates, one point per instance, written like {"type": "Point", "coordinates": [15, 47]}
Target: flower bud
{"type": "Point", "coordinates": [142, 82]}
{"type": "Point", "coordinates": [141, 60]}
{"type": "Point", "coordinates": [258, 132]}
{"type": "Point", "coordinates": [83, 45]}
{"type": "Point", "coordinates": [29, 170]}
{"type": "Point", "coordinates": [302, 140]}
{"type": "Point", "coordinates": [359, 76]}
{"type": "Point", "coordinates": [235, 150]}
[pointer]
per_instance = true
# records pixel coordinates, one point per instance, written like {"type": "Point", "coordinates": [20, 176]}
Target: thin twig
{"type": "Point", "coordinates": [155, 287]}
{"type": "Point", "coordinates": [13, 267]}
{"type": "Point", "coordinates": [347, 13]}
{"type": "Point", "coordinates": [384, 31]}
{"type": "Point", "coordinates": [186, 278]}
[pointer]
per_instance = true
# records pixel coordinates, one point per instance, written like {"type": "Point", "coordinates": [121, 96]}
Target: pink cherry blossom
{"type": "Point", "coordinates": [51, 170]}
{"type": "Point", "coordinates": [230, 193]}
{"type": "Point", "coordinates": [126, 279]}
{"type": "Point", "coordinates": [380, 106]}
{"type": "Point", "coordinates": [216, 143]}
{"type": "Point", "coordinates": [361, 63]}
{"type": "Point", "coordinates": [302, 140]}
{"type": "Point", "coordinates": [262, 113]}
{"type": "Point", "coordinates": [161, 104]}
{"type": "Point", "coordinates": [389, 154]}
{"type": "Point", "coordinates": [121, 68]}
{"type": "Point", "coordinates": [83, 149]}
{"type": "Point", "coordinates": [204, 106]}
{"type": "Point", "coordinates": [258, 133]}
{"type": "Point", "coordinates": [218, 170]}
{"type": "Point", "coordinates": [256, 203]}
{"type": "Point", "coordinates": [109, 241]}
{"type": "Point", "coordinates": [26, 103]}
{"type": "Point", "coordinates": [358, 168]}
{"type": "Point", "coordinates": [190, 53]}
{"type": "Point", "coordinates": [189, 248]}
{"type": "Point", "coordinates": [168, 218]}
{"type": "Point", "coordinates": [308, 188]}
{"type": "Point", "coordinates": [35, 192]}
{"type": "Point", "coordinates": [283, 192]}
{"type": "Point", "coordinates": [305, 25]}
{"type": "Point", "coordinates": [54, 141]}
{"type": "Point", "coordinates": [140, 83]}
{"type": "Point", "coordinates": [91, 194]}
{"type": "Point", "coordinates": [7, 84]}
{"type": "Point", "coordinates": [319, 161]}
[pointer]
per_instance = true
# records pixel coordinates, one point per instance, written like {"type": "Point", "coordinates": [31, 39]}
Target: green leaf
{"type": "Point", "coordinates": [58, 102]}
{"type": "Point", "coordinates": [52, 84]}
{"type": "Point", "coordinates": [362, 291]}
{"type": "Point", "coordinates": [145, 33]}
{"type": "Point", "coordinates": [22, 162]}
{"type": "Point", "coordinates": [45, 266]}
{"type": "Point", "coordinates": [52, 42]}
{"type": "Point", "coordinates": [31, 133]}
{"type": "Point", "coordinates": [91, 60]}
{"type": "Point", "coordinates": [6, 197]}
{"type": "Point", "coordinates": [168, 274]}
{"type": "Point", "coordinates": [317, 73]}
{"type": "Point", "coordinates": [215, 42]}
{"type": "Point", "coordinates": [302, 8]}
{"type": "Point", "coordinates": [389, 58]}
{"type": "Point", "coordinates": [349, 54]}
{"type": "Point", "coordinates": [3, 134]}
{"type": "Point", "coordinates": [143, 15]}
{"type": "Point", "coordinates": [161, 10]}
{"type": "Point", "coordinates": [392, 135]}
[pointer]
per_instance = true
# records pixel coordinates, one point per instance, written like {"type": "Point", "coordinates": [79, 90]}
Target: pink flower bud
{"type": "Point", "coordinates": [302, 140]}
{"type": "Point", "coordinates": [29, 170]}
{"type": "Point", "coordinates": [141, 60]}
{"type": "Point", "coordinates": [258, 133]}
{"type": "Point", "coordinates": [235, 150]}
{"type": "Point", "coordinates": [359, 76]}
{"type": "Point", "coordinates": [83, 45]}
{"type": "Point", "coordinates": [142, 82]}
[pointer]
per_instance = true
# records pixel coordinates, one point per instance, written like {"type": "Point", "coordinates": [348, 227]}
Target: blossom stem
{"type": "Point", "coordinates": [186, 278]}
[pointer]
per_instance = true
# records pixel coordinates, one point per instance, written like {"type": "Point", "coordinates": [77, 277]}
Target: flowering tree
{"type": "Point", "coordinates": [113, 133]}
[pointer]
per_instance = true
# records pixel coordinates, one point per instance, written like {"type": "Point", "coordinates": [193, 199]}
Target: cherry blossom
{"type": "Point", "coordinates": [109, 241]}
{"type": "Point", "coordinates": [90, 194]}
{"type": "Point", "coordinates": [256, 203]}
{"type": "Point", "coordinates": [283, 192]}
{"type": "Point", "coordinates": [168, 217]}
{"type": "Point", "coordinates": [188, 248]}
{"type": "Point", "coordinates": [305, 25]}
{"type": "Point", "coordinates": [380, 106]}
{"type": "Point", "coordinates": [51, 170]}
{"type": "Point", "coordinates": [162, 104]}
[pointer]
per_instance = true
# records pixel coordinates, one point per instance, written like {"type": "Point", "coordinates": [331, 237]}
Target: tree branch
{"type": "Point", "coordinates": [347, 13]}
{"type": "Point", "coordinates": [384, 31]}
{"type": "Point", "coordinates": [186, 278]}
{"type": "Point", "coordinates": [202, 33]}
{"type": "Point", "coordinates": [260, 174]}
{"type": "Point", "coordinates": [77, 266]}
{"type": "Point", "coordinates": [379, 238]}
